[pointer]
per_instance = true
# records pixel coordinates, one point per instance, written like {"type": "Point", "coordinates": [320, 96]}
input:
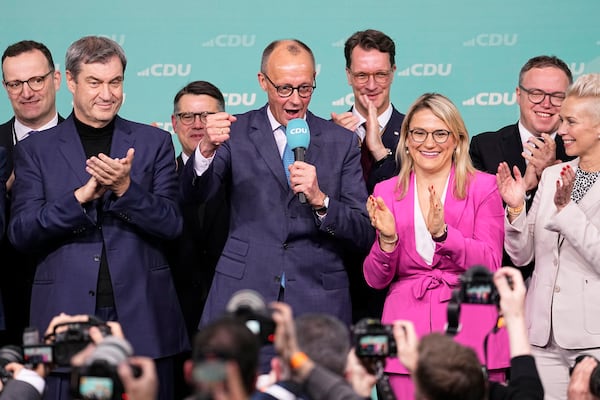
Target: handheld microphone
{"type": "Point", "coordinates": [298, 139]}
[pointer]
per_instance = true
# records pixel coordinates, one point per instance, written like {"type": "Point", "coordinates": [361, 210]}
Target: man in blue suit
{"type": "Point", "coordinates": [94, 199]}
{"type": "Point", "coordinates": [370, 67]}
{"type": "Point", "coordinates": [278, 246]}
{"type": "Point", "coordinates": [31, 81]}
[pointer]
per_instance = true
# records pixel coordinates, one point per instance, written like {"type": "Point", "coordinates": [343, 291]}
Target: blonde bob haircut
{"type": "Point", "coordinates": [446, 111]}
{"type": "Point", "coordinates": [588, 87]}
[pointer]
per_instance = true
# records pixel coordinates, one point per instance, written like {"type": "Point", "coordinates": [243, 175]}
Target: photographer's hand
{"type": "Point", "coordinates": [511, 288]}
{"type": "Point", "coordinates": [33, 377]}
{"type": "Point", "coordinates": [406, 344]}
{"type": "Point", "coordinates": [357, 375]}
{"type": "Point", "coordinates": [286, 343]}
{"type": "Point", "coordinates": [144, 387]}
{"type": "Point", "coordinates": [579, 385]}
{"type": "Point", "coordinates": [63, 318]}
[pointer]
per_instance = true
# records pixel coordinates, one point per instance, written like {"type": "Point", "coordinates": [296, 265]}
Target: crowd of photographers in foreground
{"type": "Point", "coordinates": [317, 358]}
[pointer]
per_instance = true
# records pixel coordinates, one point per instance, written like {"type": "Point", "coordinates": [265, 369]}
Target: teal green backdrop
{"type": "Point", "coordinates": [469, 50]}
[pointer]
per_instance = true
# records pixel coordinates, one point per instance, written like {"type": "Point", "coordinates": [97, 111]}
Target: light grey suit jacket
{"type": "Point", "coordinates": [564, 292]}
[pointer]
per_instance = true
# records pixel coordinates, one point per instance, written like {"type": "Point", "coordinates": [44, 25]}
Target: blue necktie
{"type": "Point", "coordinates": [288, 159]}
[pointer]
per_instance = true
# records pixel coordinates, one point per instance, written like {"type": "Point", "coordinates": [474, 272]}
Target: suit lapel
{"type": "Point", "coordinates": [71, 148]}
{"type": "Point", "coordinates": [391, 134]}
{"type": "Point", "coordinates": [261, 135]}
{"type": "Point", "coordinates": [122, 140]}
{"type": "Point", "coordinates": [592, 197]}
{"type": "Point", "coordinates": [454, 208]}
{"type": "Point", "coordinates": [316, 140]}
{"type": "Point", "coordinates": [512, 148]}
{"type": "Point", "coordinates": [406, 209]}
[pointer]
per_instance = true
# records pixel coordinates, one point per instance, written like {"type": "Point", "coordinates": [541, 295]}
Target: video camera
{"type": "Point", "coordinates": [250, 307]}
{"type": "Point", "coordinates": [372, 339]}
{"type": "Point", "coordinates": [66, 340]}
{"type": "Point", "coordinates": [476, 287]}
{"type": "Point", "coordinates": [9, 354]}
{"type": "Point", "coordinates": [98, 379]}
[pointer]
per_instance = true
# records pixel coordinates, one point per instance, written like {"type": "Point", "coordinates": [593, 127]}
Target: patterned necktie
{"type": "Point", "coordinates": [288, 159]}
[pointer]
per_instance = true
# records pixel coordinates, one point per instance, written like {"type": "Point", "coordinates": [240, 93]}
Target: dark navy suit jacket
{"type": "Point", "coordinates": [271, 232]}
{"type": "Point", "coordinates": [390, 139]}
{"type": "Point", "coordinates": [67, 238]}
{"type": "Point", "coordinates": [18, 268]}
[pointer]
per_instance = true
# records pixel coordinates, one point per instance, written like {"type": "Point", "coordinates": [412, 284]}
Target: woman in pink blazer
{"type": "Point", "coordinates": [435, 220]}
{"type": "Point", "coordinates": [561, 231]}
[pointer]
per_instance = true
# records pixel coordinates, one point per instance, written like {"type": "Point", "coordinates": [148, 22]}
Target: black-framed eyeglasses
{"type": "Point", "coordinates": [287, 90]}
{"type": "Point", "coordinates": [36, 83]}
{"type": "Point", "coordinates": [536, 96]}
{"type": "Point", "coordinates": [420, 135]}
{"type": "Point", "coordinates": [381, 77]}
{"type": "Point", "coordinates": [188, 118]}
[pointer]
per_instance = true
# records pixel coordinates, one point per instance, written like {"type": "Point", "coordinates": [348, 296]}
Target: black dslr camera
{"type": "Point", "coordinates": [98, 379]}
{"type": "Point", "coordinates": [69, 338]}
{"type": "Point", "coordinates": [477, 287]}
{"type": "Point", "coordinates": [372, 339]}
{"type": "Point", "coordinates": [250, 307]}
{"type": "Point", "coordinates": [594, 377]}
{"type": "Point", "coordinates": [9, 354]}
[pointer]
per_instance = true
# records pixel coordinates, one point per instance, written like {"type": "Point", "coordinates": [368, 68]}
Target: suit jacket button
{"type": "Point", "coordinates": [277, 279]}
{"type": "Point", "coordinates": [285, 246]}
{"type": "Point", "coordinates": [556, 289]}
{"type": "Point", "coordinates": [97, 258]}
{"type": "Point", "coordinates": [92, 293]}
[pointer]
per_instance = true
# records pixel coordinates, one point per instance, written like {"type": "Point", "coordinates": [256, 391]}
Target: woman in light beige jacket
{"type": "Point", "coordinates": [561, 232]}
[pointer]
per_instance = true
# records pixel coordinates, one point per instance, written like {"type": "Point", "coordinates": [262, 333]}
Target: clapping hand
{"type": "Point", "coordinates": [564, 187]}
{"type": "Point", "coordinates": [511, 189]}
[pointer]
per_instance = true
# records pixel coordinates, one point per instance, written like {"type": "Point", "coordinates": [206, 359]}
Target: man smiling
{"type": "Point", "coordinates": [278, 246]}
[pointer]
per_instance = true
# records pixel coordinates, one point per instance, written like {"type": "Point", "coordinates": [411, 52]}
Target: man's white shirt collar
{"type": "Point", "coordinates": [22, 131]}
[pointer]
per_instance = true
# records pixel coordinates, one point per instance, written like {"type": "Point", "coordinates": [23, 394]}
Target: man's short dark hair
{"type": "Point", "coordinates": [198, 88]}
{"type": "Point", "coordinates": [229, 337]}
{"type": "Point", "coordinates": [367, 40]}
{"type": "Point", "coordinates": [545, 62]}
{"type": "Point", "coordinates": [25, 46]}
{"type": "Point", "coordinates": [325, 339]}
{"type": "Point", "coordinates": [447, 370]}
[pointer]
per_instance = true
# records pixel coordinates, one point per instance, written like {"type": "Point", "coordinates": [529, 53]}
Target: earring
{"type": "Point", "coordinates": [406, 149]}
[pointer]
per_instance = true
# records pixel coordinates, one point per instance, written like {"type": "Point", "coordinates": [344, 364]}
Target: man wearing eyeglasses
{"type": "Point", "coordinates": [278, 246]}
{"type": "Point", "coordinates": [31, 82]}
{"type": "Point", "coordinates": [532, 143]}
{"type": "Point", "coordinates": [194, 255]}
{"type": "Point", "coordinates": [370, 67]}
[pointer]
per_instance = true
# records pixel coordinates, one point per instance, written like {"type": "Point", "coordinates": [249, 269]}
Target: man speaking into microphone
{"type": "Point", "coordinates": [277, 246]}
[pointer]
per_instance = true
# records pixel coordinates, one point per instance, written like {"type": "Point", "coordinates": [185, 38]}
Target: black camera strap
{"type": "Point", "coordinates": [453, 314]}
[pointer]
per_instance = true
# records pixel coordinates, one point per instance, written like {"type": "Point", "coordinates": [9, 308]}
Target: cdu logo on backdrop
{"type": "Point", "coordinates": [426, 70]}
{"type": "Point", "coordinates": [491, 99]}
{"type": "Point", "coordinates": [163, 70]}
{"type": "Point", "coordinates": [344, 101]}
{"type": "Point", "coordinates": [238, 99]}
{"type": "Point", "coordinates": [231, 40]}
{"type": "Point", "coordinates": [492, 40]}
